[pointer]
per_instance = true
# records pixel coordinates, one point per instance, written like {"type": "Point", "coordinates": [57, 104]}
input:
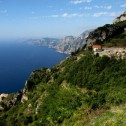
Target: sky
{"type": "Point", "coordinates": [55, 18]}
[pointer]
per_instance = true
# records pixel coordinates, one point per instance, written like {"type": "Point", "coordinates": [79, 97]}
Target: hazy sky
{"type": "Point", "coordinates": [55, 18]}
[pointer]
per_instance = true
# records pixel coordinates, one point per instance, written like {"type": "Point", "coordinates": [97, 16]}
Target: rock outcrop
{"type": "Point", "coordinates": [14, 100]}
{"type": "Point", "coordinates": [121, 18]}
{"type": "Point", "coordinates": [24, 98]}
{"type": "Point", "coordinates": [3, 96]}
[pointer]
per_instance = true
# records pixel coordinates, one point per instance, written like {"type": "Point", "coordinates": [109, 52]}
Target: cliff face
{"type": "Point", "coordinates": [65, 44]}
{"type": "Point", "coordinates": [70, 44]}
{"type": "Point", "coordinates": [122, 17]}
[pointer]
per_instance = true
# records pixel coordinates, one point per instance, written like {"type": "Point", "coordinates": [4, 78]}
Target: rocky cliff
{"type": "Point", "coordinates": [122, 17]}
{"type": "Point", "coordinates": [70, 44]}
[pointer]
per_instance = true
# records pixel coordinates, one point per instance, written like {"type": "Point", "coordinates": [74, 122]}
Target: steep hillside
{"type": "Point", "coordinates": [82, 90]}
{"type": "Point", "coordinates": [110, 34]}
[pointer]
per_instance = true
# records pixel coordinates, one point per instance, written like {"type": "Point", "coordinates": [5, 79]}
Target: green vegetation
{"type": "Point", "coordinates": [81, 91]}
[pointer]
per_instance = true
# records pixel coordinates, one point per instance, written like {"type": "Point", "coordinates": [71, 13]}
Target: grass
{"type": "Point", "coordinates": [116, 116]}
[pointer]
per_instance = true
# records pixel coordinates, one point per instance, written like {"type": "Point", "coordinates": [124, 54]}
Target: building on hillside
{"type": "Point", "coordinates": [97, 48]}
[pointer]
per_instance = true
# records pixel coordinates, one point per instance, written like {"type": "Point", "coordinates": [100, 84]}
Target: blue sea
{"type": "Point", "coordinates": [18, 60]}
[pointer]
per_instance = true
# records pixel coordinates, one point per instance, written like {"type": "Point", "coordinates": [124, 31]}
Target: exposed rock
{"type": "Point", "coordinates": [13, 101]}
{"type": "Point", "coordinates": [29, 107]}
{"type": "Point", "coordinates": [25, 87]}
{"type": "Point", "coordinates": [70, 44]}
{"type": "Point", "coordinates": [122, 17]}
{"type": "Point", "coordinates": [3, 96]}
{"type": "Point", "coordinates": [24, 98]}
{"type": "Point", "coordinates": [28, 82]}
{"type": "Point", "coordinates": [37, 108]}
{"type": "Point", "coordinates": [118, 53]}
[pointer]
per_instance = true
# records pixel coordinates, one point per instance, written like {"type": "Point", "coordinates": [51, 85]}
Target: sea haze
{"type": "Point", "coordinates": [18, 60]}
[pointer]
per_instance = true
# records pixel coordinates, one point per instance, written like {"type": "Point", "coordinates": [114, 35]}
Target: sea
{"type": "Point", "coordinates": [19, 59]}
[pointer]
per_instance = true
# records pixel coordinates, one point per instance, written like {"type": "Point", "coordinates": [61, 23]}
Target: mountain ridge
{"type": "Point", "coordinates": [66, 45]}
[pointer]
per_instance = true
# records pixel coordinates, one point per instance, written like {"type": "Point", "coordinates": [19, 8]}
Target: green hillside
{"type": "Point", "coordinates": [83, 90]}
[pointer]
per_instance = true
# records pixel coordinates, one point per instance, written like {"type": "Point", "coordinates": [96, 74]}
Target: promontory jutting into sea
{"type": "Point", "coordinates": [18, 60]}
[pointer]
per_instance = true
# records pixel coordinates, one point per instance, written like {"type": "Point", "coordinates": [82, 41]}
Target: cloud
{"type": "Point", "coordinates": [71, 15]}
{"type": "Point", "coordinates": [35, 17]}
{"type": "Point", "coordinates": [80, 1]}
{"type": "Point", "coordinates": [99, 7]}
{"type": "Point", "coordinates": [55, 16]}
{"type": "Point", "coordinates": [123, 5]}
{"type": "Point", "coordinates": [88, 8]}
{"type": "Point", "coordinates": [3, 11]}
{"type": "Point", "coordinates": [115, 14]}
{"type": "Point", "coordinates": [67, 15]}
{"type": "Point", "coordinates": [104, 7]}
{"type": "Point", "coordinates": [111, 14]}
{"type": "Point", "coordinates": [99, 14]}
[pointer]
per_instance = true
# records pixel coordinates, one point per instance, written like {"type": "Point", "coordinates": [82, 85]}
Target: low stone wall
{"type": "Point", "coordinates": [117, 52]}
